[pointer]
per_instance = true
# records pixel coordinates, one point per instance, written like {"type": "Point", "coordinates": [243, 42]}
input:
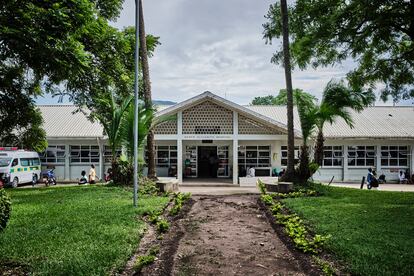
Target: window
{"type": "Point", "coordinates": [108, 154]}
{"type": "Point", "coordinates": [165, 156]}
{"type": "Point", "coordinates": [394, 156]}
{"type": "Point", "coordinates": [285, 154]}
{"type": "Point", "coordinates": [84, 154]}
{"type": "Point", "coordinates": [53, 154]}
{"type": "Point", "coordinates": [332, 156]}
{"type": "Point", "coordinates": [254, 156]}
{"type": "Point", "coordinates": [361, 156]}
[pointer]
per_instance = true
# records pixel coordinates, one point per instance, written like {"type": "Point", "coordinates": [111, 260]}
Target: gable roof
{"type": "Point", "coordinates": [60, 121]}
{"type": "Point", "coordinates": [208, 96]}
{"type": "Point", "coordinates": [391, 122]}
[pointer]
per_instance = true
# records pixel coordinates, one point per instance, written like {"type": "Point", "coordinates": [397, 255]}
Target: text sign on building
{"type": "Point", "coordinates": [207, 137]}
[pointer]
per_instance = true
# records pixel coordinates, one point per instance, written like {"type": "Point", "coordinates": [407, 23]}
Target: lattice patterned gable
{"type": "Point", "coordinates": [248, 126]}
{"type": "Point", "coordinates": [207, 118]}
{"type": "Point", "coordinates": [167, 127]}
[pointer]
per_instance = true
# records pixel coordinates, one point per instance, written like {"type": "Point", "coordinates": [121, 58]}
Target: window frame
{"type": "Point", "coordinates": [368, 154]}
{"type": "Point", "coordinates": [399, 149]}
{"type": "Point", "coordinates": [334, 150]}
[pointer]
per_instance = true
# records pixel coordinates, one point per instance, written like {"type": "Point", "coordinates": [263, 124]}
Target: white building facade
{"type": "Point", "coordinates": [211, 137]}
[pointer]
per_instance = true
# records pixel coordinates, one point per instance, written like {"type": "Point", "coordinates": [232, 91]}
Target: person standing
{"type": "Point", "coordinates": [92, 175]}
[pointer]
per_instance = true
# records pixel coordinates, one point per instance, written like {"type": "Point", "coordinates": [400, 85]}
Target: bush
{"type": "Point", "coordinates": [147, 187]}
{"type": "Point", "coordinates": [162, 226]}
{"type": "Point", "coordinates": [5, 209]}
{"type": "Point", "coordinates": [179, 199]}
{"type": "Point", "coordinates": [122, 172]}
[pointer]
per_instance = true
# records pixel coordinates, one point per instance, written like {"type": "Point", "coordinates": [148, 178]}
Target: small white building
{"type": "Point", "coordinates": [212, 137]}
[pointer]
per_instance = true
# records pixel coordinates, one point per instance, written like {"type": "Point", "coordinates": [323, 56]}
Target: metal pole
{"type": "Point", "coordinates": [136, 88]}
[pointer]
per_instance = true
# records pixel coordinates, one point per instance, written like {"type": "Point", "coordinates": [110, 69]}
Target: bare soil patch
{"type": "Point", "coordinates": [227, 235]}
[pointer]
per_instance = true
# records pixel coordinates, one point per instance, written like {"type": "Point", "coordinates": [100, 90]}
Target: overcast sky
{"type": "Point", "coordinates": [217, 45]}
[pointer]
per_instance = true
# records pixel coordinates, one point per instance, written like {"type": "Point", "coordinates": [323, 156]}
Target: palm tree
{"type": "Point", "coordinates": [145, 119]}
{"type": "Point", "coordinates": [290, 170]}
{"type": "Point", "coordinates": [112, 120]}
{"type": "Point", "coordinates": [147, 90]}
{"type": "Point", "coordinates": [308, 116]}
{"type": "Point", "coordinates": [337, 101]}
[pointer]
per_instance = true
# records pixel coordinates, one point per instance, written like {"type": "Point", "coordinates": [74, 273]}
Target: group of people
{"type": "Point", "coordinates": [91, 177]}
{"type": "Point", "coordinates": [373, 181]}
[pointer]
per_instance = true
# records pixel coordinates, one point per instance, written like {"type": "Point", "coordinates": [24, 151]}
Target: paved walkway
{"type": "Point", "coordinates": [382, 187]}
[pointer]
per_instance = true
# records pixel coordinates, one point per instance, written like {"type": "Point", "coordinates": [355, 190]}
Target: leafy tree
{"type": "Point", "coordinates": [265, 100]}
{"type": "Point", "coordinates": [64, 47]}
{"type": "Point", "coordinates": [281, 98]}
{"type": "Point", "coordinates": [377, 35]}
{"type": "Point", "coordinates": [337, 101]}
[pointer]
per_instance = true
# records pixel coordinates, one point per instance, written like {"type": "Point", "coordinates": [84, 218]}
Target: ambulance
{"type": "Point", "coordinates": [18, 167]}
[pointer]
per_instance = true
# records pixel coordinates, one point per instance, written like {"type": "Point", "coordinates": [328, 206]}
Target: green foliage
{"type": "Point", "coordinates": [5, 208]}
{"type": "Point", "coordinates": [281, 98]}
{"type": "Point", "coordinates": [276, 207]}
{"type": "Point", "coordinates": [147, 187]}
{"type": "Point", "coordinates": [122, 172]}
{"type": "Point", "coordinates": [82, 230]}
{"type": "Point", "coordinates": [326, 267]}
{"type": "Point", "coordinates": [267, 199]}
{"type": "Point", "coordinates": [299, 193]}
{"type": "Point", "coordinates": [365, 227]}
{"type": "Point", "coordinates": [62, 48]}
{"type": "Point", "coordinates": [261, 186]}
{"type": "Point", "coordinates": [143, 261]}
{"type": "Point", "coordinates": [162, 226]}
{"type": "Point", "coordinates": [179, 199]}
{"type": "Point", "coordinates": [377, 35]}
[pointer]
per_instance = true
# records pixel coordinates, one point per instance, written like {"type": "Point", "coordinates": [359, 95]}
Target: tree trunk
{"type": "Point", "coordinates": [318, 155]}
{"type": "Point", "coordinates": [304, 171]}
{"type": "Point", "coordinates": [290, 170]}
{"type": "Point", "coordinates": [147, 90]}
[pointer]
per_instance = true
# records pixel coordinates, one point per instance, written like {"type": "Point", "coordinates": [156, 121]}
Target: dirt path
{"type": "Point", "coordinates": [231, 236]}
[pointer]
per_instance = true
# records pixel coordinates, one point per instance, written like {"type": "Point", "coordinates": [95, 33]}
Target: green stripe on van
{"type": "Point", "coordinates": [11, 170]}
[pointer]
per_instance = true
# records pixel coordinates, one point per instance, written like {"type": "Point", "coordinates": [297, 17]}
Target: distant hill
{"type": "Point", "coordinates": [158, 102]}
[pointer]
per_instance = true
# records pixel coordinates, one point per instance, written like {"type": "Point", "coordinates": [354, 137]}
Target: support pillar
{"type": "Point", "coordinates": [378, 159]}
{"type": "Point", "coordinates": [345, 163]}
{"type": "Point", "coordinates": [235, 148]}
{"type": "Point", "coordinates": [67, 162]}
{"type": "Point", "coordinates": [411, 156]}
{"type": "Point", "coordinates": [180, 147]}
{"type": "Point", "coordinates": [101, 159]}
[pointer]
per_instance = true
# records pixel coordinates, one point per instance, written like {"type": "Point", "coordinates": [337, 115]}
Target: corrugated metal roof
{"type": "Point", "coordinates": [60, 121]}
{"type": "Point", "coordinates": [372, 122]}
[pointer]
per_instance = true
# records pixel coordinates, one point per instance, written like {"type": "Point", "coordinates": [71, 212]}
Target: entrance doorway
{"type": "Point", "coordinates": [207, 161]}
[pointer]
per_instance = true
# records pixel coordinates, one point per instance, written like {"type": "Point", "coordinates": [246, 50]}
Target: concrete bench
{"type": "Point", "coordinates": [251, 181]}
{"type": "Point", "coordinates": [167, 185]}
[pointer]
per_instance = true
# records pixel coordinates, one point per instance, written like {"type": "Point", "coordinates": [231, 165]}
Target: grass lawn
{"type": "Point", "coordinates": [87, 230]}
{"type": "Point", "coordinates": [372, 231]}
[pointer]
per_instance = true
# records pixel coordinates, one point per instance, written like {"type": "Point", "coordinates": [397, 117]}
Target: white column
{"type": "Point", "coordinates": [180, 147]}
{"type": "Point", "coordinates": [412, 159]}
{"type": "Point", "coordinates": [345, 163]}
{"type": "Point", "coordinates": [101, 159]}
{"type": "Point", "coordinates": [67, 162]}
{"type": "Point", "coordinates": [235, 148]}
{"type": "Point", "coordinates": [378, 159]}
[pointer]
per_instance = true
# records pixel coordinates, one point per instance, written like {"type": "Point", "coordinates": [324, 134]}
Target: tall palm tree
{"type": "Point", "coordinates": [147, 90]}
{"type": "Point", "coordinates": [337, 101]}
{"type": "Point", "coordinates": [290, 170]}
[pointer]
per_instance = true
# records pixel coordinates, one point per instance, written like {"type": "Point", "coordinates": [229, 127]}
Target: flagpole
{"type": "Point", "coordinates": [136, 89]}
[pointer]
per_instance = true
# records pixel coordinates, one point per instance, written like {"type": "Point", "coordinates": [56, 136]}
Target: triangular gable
{"type": "Point", "coordinates": [208, 96]}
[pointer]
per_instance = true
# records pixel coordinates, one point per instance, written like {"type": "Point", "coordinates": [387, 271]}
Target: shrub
{"type": "Point", "coordinates": [5, 209]}
{"type": "Point", "coordinates": [147, 187]}
{"type": "Point", "coordinates": [122, 172]}
{"type": "Point", "coordinates": [162, 226]}
{"type": "Point", "coordinates": [143, 261]}
{"type": "Point", "coordinates": [267, 199]}
{"type": "Point", "coordinates": [179, 199]}
{"type": "Point", "coordinates": [262, 187]}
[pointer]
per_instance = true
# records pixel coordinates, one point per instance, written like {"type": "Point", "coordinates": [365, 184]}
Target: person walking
{"type": "Point", "coordinates": [92, 175]}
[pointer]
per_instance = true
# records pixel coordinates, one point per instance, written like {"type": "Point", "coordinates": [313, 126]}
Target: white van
{"type": "Point", "coordinates": [19, 166]}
